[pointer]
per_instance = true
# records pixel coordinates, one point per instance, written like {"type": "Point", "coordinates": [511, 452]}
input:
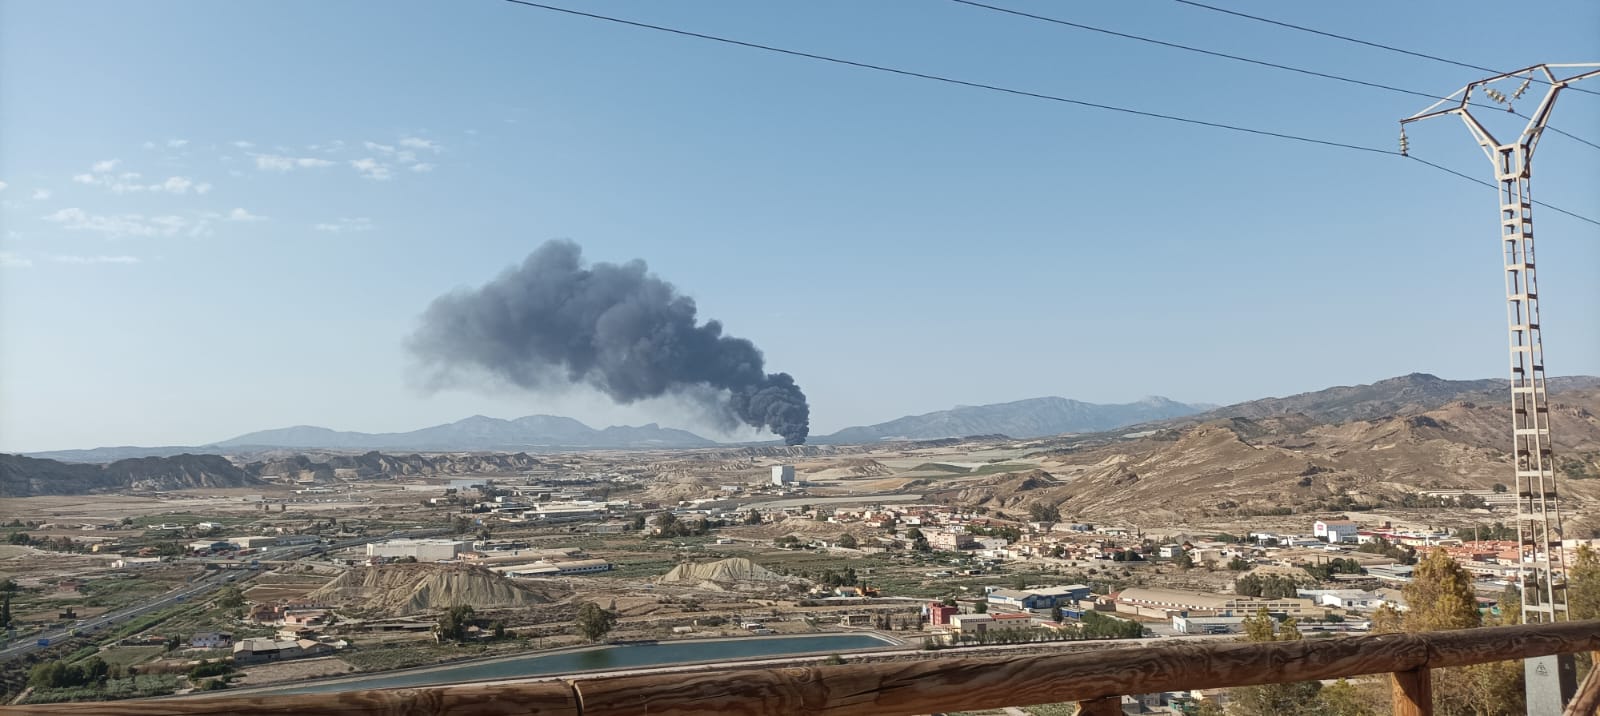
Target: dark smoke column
{"type": "Point", "coordinates": [615, 327]}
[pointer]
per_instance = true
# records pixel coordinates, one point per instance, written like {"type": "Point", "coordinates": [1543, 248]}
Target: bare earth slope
{"type": "Point", "coordinates": [1240, 465]}
{"type": "Point", "coordinates": [399, 589]}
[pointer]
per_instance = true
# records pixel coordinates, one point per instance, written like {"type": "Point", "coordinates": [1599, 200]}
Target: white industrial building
{"type": "Point", "coordinates": [1334, 531]}
{"type": "Point", "coordinates": [424, 550]}
{"type": "Point", "coordinates": [782, 475]}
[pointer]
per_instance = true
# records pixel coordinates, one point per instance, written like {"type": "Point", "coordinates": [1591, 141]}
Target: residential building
{"type": "Point", "coordinates": [970, 623]}
{"type": "Point", "coordinates": [951, 541]}
{"type": "Point", "coordinates": [257, 651]}
{"type": "Point", "coordinates": [782, 475]}
{"type": "Point", "coordinates": [211, 640]}
{"type": "Point", "coordinates": [939, 613]}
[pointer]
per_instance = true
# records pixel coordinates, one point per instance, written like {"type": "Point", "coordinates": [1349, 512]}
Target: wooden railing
{"type": "Point", "coordinates": [1095, 679]}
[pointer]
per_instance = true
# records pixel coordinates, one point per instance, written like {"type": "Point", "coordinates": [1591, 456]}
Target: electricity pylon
{"type": "Point", "coordinates": [1542, 578]}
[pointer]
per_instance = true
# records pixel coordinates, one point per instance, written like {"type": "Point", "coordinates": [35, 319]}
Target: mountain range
{"type": "Point", "coordinates": [1035, 417]}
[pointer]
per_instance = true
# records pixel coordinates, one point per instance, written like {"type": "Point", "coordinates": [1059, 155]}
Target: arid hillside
{"type": "Point", "coordinates": [1240, 466]}
{"type": "Point", "coordinates": [400, 589]}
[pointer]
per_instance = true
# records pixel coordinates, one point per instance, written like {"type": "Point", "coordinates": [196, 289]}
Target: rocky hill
{"type": "Point", "coordinates": [1400, 396]}
{"type": "Point", "coordinates": [1034, 417]}
{"type": "Point", "coordinates": [1242, 466]}
{"type": "Point", "coordinates": [25, 476]}
{"type": "Point", "coordinates": [401, 589]}
{"type": "Point", "coordinates": [732, 573]}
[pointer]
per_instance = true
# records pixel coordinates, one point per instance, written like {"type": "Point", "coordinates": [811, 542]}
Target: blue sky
{"type": "Point", "coordinates": [222, 217]}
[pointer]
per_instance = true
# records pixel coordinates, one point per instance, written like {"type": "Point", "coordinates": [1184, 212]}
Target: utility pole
{"type": "Point", "coordinates": [1551, 680]}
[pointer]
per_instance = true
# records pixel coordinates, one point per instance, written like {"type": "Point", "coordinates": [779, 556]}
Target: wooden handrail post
{"type": "Point", "coordinates": [1413, 692]}
{"type": "Point", "coordinates": [1587, 701]}
{"type": "Point", "coordinates": [1103, 706]}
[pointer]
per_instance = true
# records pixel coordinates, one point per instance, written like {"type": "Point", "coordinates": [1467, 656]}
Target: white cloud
{"type": "Point", "coordinates": [11, 260]}
{"type": "Point", "coordinates": [422, 167]}
{"type": "Point", "coordinates": [67, 259]}
{"type": "Point", "coordinates": [128, 182]}
{"type": "Point", "coordinates": [41, 194]}
{"type": "Point", "coordinates": [175, 185]}
{"type": "Point", "coordinates": [420, 143]}
{"type": "Point", "coordinates": [177, 143]}
{"type": "Point", "coordinates": [244, 215]}
{"type": "Point", "coordinates": [149, 145]}
{"type": "Point", "coordinates": [3, 186]}
{"type": "Point", "coordinates": [371, 168]}
{"type": "Point", "coordinates": [114, 226]}
{"type": "Point", "coordinates": [281, 163]}
{"type": "Point", "coordinates": [105, 165]}
{"type": "Point", "coordinates": [345, 225]}
{"type": "Point", "coordinates": [242, 144]}
{"type": "Point", "coordinates": [379, 148]}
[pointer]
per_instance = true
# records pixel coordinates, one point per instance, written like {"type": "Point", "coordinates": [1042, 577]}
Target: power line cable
{"type": "Point", "coordinates": [1360, 41]}
{"type": "Point", "coordinates": [1015, 92]}
{"type": "Point", "coordinates": [1238, 58]}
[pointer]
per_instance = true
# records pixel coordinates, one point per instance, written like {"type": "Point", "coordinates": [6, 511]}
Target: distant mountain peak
{"type": "Point", "coordinates": [1027, 418]}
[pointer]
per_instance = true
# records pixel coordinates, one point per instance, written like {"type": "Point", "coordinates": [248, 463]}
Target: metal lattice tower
{"type": "Point", "coordinates": [1543, 569]}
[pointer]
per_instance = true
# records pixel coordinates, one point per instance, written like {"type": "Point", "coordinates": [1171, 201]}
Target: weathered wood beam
{"type": "Point", "coordinates": [974, 684]}
{"type": "Point", "coordinates": [1587, 701]}
{"type": "Point", "coordinates": [935, 685]}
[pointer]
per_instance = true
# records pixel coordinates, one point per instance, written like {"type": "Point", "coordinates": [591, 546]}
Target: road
{"type": "Point", "coordinates": [198, 588]}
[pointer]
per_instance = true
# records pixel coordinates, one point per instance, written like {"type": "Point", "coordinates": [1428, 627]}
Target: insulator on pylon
{"type": "Point", "coordinates": [1495, 95]}
{"type": "Point", "coordinates": [1405, 144]}
{"type": "Point", "coordinates": [1521, 88]}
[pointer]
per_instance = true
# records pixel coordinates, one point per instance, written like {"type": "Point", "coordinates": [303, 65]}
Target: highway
{"type": "Point", "coordinates": [200, 587]}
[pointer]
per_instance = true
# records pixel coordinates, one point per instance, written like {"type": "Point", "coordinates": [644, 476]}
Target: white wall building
{"type": "Point", "coordinates": [1334, 530]}
{"type": "Point", "coordinates": [782, 475]}
{"type": "Point", "coordinates": [424, 550]}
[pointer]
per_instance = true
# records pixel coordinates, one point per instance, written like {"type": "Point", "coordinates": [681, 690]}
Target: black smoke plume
{"type": "Point", "coordinates": [618, 328]}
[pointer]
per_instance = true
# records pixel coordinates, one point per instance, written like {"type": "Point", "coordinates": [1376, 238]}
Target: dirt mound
{"type": "Point", "coordinates": [735, 572]}
{"type": "Point", "coordinates": [852, 467]}
{"type": "Point", "coordinates": [401, 589]}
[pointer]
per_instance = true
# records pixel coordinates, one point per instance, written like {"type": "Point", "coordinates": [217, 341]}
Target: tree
{"type": "Point", "coordinates": [1440, 596]}
{"type": "Point", "coordinates": [1041, 512]}
{"type": "Point", "coordinates": [454, 622]}
{"type": "Point", "coordinates": [980, 608]}
{"type": "Point", "coordinates": [499, 630]}
{"type": "Point", "coordinates": [753, 517]}
{"type": "Point", "coordinates": [1238, 564]}
{"type": "Point", "coordinates": [594, 622]}
{"type": "Point", "coordinates": [1183, 560]}
{"type": "Point", "coordinates": [230, 597]}
{"type": "Point", "coordinates": [1500, 488]}
{"type": "Point", "coordinates": [5, 612]}
{"type": "Point", "coordinates": [1583, 584]}
{"type": "Point", "coordinates": [638, 524]}
{"type": "Point", "coordinates": [848, 541]}
{"type": "Point", "coordinates": [1342, 698]}
{"type": "Point", "coordinates": [1266, 699]}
